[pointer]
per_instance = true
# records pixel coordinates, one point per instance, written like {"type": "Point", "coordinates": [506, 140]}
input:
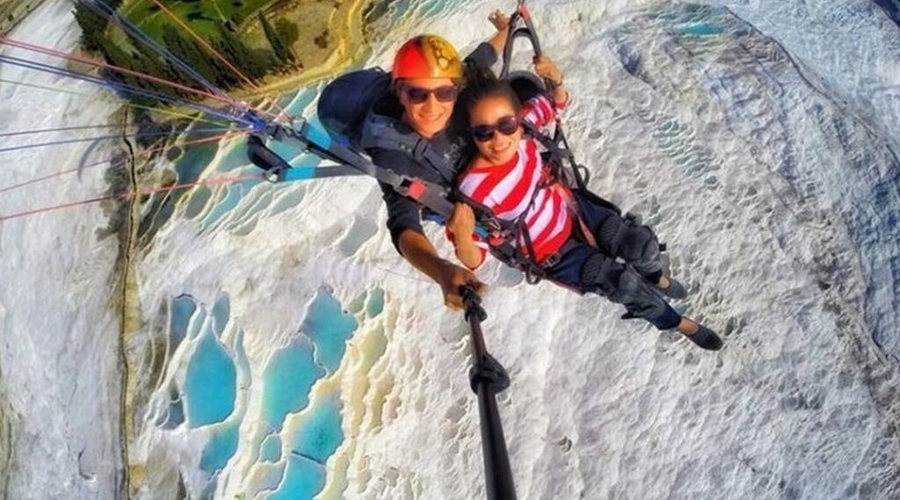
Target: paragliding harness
{"type": "Point", "coordinates": [563, 168]}
{"type": "Point", "coordinates": [346, 110]}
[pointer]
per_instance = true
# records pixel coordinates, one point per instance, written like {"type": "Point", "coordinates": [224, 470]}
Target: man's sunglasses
{"type": "Point", "coordinates": [416, 95]}
{"type": "Point", "coordinates": [508, 125]}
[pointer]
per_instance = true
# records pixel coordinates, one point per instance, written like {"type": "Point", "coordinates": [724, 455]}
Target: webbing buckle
{"type": "Point", "coordinates": [273, 175]}
{"type": "Point", "coordinates": [415, 189]}
{"type": "Point", "coordinates": [552, 260]}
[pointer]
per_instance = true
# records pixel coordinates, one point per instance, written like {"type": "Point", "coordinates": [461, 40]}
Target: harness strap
{"type": "Point", "coordinates": [513, 235]}
{"type": "Point", "coordinates": [422, 150]}
{"type": "Point", "coordinates": [585, 230]}
{"type": "Point", "coordinates": [558, 156]}
{"type": "Point", "coordinates": [503, 239]}
{"type": "Point", "coordinates": [381, 132]}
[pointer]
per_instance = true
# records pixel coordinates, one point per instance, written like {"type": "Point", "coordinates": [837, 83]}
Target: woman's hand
{"type": "Point", "coordinates": [499, 20]}
{"type": "Point", "coordinates": [462, 225]}
{"type": "Point", "coordinates": [546, 68]}
{"type": "Point", "coordinates": [462, 221]}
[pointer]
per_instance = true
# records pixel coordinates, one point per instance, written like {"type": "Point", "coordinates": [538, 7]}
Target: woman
{"type": "Point", "coordinates": [573, 239]}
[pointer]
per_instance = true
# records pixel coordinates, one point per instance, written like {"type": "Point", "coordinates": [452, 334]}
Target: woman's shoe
{"type": "Point", "coordinates": [675, 290]}
{"type": "Point", "coordinates": [705, 338]}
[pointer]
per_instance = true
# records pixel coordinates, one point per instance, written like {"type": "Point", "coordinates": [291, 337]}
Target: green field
{"type": "Point", "coordinates": [203, 16]}
{"type": "Point", "coordinates": [230, 44]}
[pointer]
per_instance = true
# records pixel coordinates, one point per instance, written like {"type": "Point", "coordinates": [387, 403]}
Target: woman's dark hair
{"type": "Point", "coordinates": [481, 83]}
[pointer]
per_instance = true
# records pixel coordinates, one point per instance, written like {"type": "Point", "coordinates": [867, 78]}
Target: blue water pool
{"type": "Point", "coordinates": [320, 435]}
{"type": "Point", "coordinates": [375, 303]}
{"type": "Point", "coordinates": [220, 313]}
{"type": "Point", "coordinates": [220, 448]}
{"type": "Point", "coordinates": [328, 327]}
{"type": "Point", "coordinates": [270, 450]}
{"type": "Point", "coordinates": [302, 480]}
{"type": "Point", "coordinates": [701, 29]}
{"type": "Point", "coordinates": [182, 309]}
{"type": "Point", "coordinates": [210, 383]}
{"type": "Point", "coordinates": [287, 380]}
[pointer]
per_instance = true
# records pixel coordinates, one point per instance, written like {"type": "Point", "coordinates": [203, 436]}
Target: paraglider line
{"type": "Point", "coordinates": [102, 64]}
{"type": "Point", "coordinates": [131, 105]}
{"type": "Point", "coordinates": [128, 194]}
{"type": "Point", "coordinates": [144, 153]}
{"type": "Point", "coordinates": [139, 135]}
{"type": "Point", "coordinates": [215, 53]}
{"type": "Point", "coordinates": [58, 129]}
{"type": "Point", "coordinates": [118, 86]}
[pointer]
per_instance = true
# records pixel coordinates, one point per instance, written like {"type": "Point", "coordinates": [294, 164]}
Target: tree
{"type": "Point", "coordinates": [93, 26]}
{"type": "Point", "coordinates": [117, 56]}
{"type": "Point", "coordinates": [287, 31]}
{"type": "Point", "coordinates": [282, 52]}
{"type": "Point", "coordinates": [192, 55]}
{"type": "Point", "coordinates": [234, 49]}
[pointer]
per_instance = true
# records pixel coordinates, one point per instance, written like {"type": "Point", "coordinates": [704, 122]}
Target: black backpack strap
{"type": "Point", "coordinates": [558, 158]}
{"type": "Point", "coordinates": [273, 166]}
{"type": "Point", "coordinates": [431, 195]}
{"type": "Point", "coordinates": [381, 132]}
{"type": "Point", "coordinates": [423, 151]}
{"type": "Point", "coordinates": [484, 215]}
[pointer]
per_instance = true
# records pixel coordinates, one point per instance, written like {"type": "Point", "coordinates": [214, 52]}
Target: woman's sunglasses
{"type": "Point", "coordinates": [416, 95]}
{"type": "Point", "coordinates": [508, 125]}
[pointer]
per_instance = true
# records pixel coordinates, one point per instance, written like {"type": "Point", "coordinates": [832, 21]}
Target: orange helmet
{"type": "Point", "coordinates": [427, 56]}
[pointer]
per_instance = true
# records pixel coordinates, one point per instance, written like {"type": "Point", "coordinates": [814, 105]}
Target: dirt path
{"type": "Point", "coordinates": [13, 11]}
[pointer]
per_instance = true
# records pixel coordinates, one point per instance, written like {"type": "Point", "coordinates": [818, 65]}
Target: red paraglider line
{"type": "Point", "coordinates": [103, 162]}
{"type": "Point", "coordinates": [132, 193]}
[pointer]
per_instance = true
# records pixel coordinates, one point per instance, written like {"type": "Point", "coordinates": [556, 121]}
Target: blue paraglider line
{"type": "Point", "coordinates": [24, 63]}
{"type": "Point", "coordinates": [138, 135]}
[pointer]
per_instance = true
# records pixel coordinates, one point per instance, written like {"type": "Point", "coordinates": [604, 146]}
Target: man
{"type": "Point", "coordinates": [427, 75]}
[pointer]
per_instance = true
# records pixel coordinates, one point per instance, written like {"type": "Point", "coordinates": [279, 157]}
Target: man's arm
{"type": "Point", "coordinates": [403, 214]}
{"type": "Point", "coordinates": [487, 53]}
{"type": "Point", "coordinates": [418, 251]}
{"type": "Point", "coordinates": [501, 22]}
{"type": "Point", "coordinates": [405, 226]}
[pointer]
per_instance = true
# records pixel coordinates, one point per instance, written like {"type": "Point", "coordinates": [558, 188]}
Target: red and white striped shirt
{"type": "Point", "coordinates": [513, 189]}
